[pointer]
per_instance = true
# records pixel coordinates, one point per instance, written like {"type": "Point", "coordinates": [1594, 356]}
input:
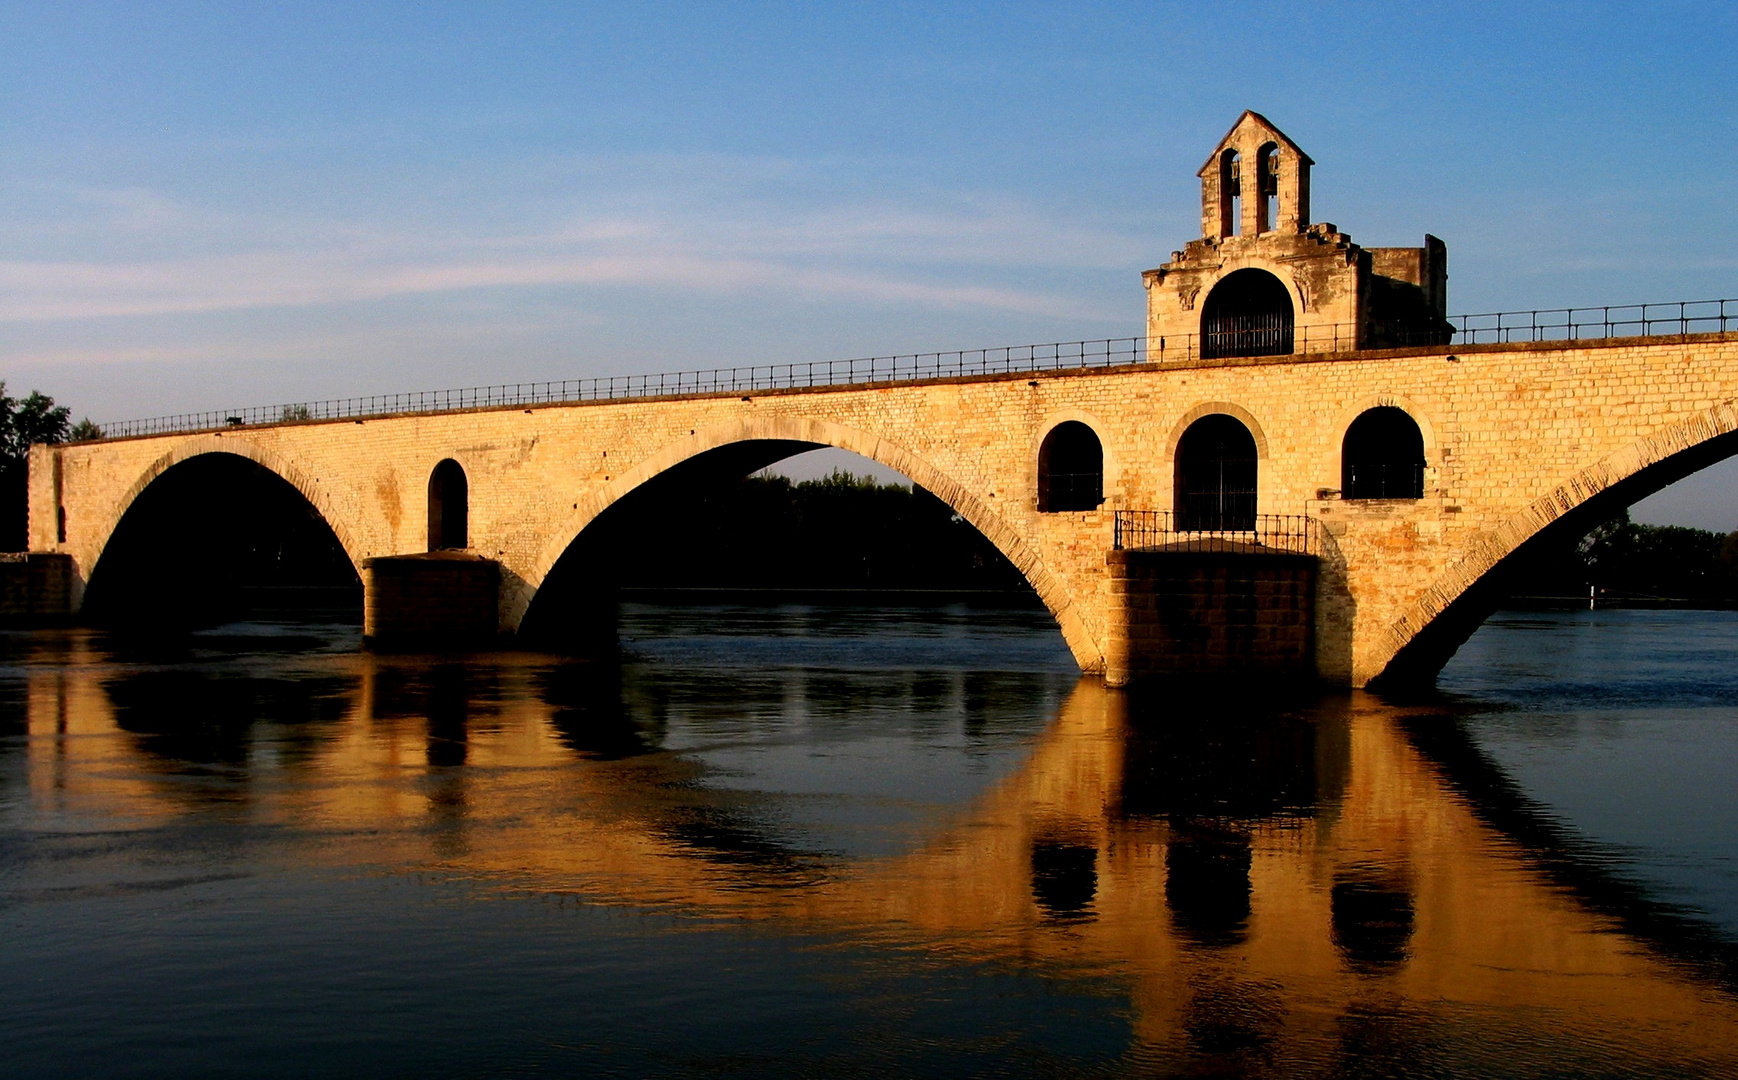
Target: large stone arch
{"type": "Point", "coordinates": [1415, 645]}
{"type": "Point", "coordinates": [279, 464]}
{"type": "Point", "coordinates": [964, 501]}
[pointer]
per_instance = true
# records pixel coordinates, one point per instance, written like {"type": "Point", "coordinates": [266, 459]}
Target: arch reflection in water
{"type": "Point", "coordinates": [1064, 877]}
{"type": "Point", "coordinates": [1297, 883]}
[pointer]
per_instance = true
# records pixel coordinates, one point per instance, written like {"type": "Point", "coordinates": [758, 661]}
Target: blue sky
{"type": "Point", "coordinates": [204, 206]}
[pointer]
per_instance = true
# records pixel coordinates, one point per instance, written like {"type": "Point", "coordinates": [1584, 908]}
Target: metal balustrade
{"type": "Point", "coordinates": [1159, 530]}
{"type": "Point", "coordinates": [1556, 324]}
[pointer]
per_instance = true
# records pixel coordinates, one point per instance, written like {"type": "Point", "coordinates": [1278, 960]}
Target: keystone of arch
{"type": "Point", "coordinates": [1209, 408]}
{"type": "Point", "coordinates": [957, 496]}
{"type": "Point", "coordinates": [1492, 547]}
{"type": "Point", "coordinates": [265, 457]}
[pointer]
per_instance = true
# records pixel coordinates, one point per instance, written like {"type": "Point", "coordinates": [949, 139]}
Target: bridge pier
{"type": "Point", "coordinates": [1210, 613]}
{"type": "Point", "coordinates": [35, 587]}
{"type": "Point", "coordinates": [435, 600]}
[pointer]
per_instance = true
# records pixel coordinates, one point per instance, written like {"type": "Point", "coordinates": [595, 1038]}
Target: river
{"type": "Point", "coordinates": [787, 839]}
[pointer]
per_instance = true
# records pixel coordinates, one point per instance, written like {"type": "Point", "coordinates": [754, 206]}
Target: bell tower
{"type": "Point", "coordinates": [1278, 175]}
{"type": "Point", "coordinates": [1263, 280]}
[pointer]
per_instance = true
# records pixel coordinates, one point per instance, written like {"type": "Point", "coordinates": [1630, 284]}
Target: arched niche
{"type": "Point", "coordinates": [1216, 476]}
{"type": "Point", "coordinates": [1382, 456]}
{"type": "Point", "coordinates": [1070, 469]}
{"type": "Point", "coordinates": [1248, 313]}
{"type": "Point", "coordinates": [449, 507]}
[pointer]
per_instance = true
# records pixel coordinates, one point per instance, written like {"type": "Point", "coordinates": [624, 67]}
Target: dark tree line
{"type": "Point", "coordinates": [1624, 559]}
{"type": "Point", "coordinates": [842, 532]}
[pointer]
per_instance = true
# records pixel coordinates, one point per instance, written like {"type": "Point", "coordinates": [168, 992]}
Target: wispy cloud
{"type": "Point", "coordinates": [957, 259]}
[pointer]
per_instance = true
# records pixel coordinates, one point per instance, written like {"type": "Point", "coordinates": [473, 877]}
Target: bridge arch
{"type": "Point", "coordinates": [800, 433]}
{"type": "Point", "coordinates": [201, 525]}
{"type": "Point", "coordinates": [281, 465]}
{"type": "Point", "coordinates": [1416, 645]}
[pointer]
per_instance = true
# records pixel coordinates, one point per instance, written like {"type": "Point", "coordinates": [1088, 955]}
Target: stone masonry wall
{"type": "Point", "coordinates": [441, 599]}
{"type": "Point", "coordinates": [1514, 435]}
{"type": "Point", "coordinates": [1210, 613]}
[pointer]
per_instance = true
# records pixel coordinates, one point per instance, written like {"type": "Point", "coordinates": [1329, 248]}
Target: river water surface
{"type": "Point", "coordinates": [834, 840]}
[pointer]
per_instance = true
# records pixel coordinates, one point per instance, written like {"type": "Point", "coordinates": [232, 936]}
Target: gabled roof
{"type": "Point", "coordinates": [1262, 123]}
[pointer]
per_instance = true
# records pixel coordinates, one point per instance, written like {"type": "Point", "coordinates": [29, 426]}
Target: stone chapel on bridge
{"type": "Point", "coordinates": [1280, 284]}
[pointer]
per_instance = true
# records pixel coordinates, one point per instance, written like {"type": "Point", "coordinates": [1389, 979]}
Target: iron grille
{"type": "Point", "coordinates": [1159, 530]}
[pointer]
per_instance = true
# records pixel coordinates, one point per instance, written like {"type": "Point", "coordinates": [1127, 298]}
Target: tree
{"type": "Point", "coordinates": [36, 419]}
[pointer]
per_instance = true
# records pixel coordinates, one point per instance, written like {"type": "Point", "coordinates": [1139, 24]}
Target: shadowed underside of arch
{"type": "Point", "coordinates": [737, 448]}
{"type": "Point", "coordinates": [208, 519]}
{"type": "Point", "coordinates": [270, 460]}
{"type": "Point", "coordinates": [1423, 639]}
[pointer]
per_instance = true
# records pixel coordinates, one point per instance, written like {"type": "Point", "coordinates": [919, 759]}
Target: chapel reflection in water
{"type": "Point", "coordinates": [1264, 884]}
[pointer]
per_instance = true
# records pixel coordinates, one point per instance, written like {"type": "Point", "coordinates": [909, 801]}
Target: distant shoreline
{"type": "Point", "coordinates": [1603, 603]}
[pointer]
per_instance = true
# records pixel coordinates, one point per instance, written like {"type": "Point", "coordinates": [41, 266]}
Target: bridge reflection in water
{"type": "Point", "coordinates": [1302, 883]}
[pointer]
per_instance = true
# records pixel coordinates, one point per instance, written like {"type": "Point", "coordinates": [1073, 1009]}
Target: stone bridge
{"type": "Point", "coordinates": [1519, 443]}
{"type": "Point", "coordinates": [1324, 472]}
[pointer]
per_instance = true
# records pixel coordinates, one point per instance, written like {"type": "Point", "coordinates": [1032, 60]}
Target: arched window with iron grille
{"type": "Point", "coordinates": [1249, 313]}
{"type": "Point", "coordinates": [1215, 480]}
{"type": "Point", "coordinates": [1382, 456]}
{"type": "Point", "coordinates": [1070, 469]}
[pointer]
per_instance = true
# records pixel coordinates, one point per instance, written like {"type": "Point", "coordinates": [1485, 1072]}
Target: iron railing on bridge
{"type": "Point", "coordinates": [1556, 324]}
{"type": "Point", "coordinates": [870, 370]}
{"type": "Point", "coordinates": [1157, 530]}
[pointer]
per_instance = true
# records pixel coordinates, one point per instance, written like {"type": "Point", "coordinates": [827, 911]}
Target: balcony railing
{"type": "Point", "coordinates": [1264, 534]}
{"type": "Point", "coordinates": [1558, 324]}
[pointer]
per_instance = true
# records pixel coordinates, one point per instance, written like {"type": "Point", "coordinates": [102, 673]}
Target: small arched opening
{"type": "Point", "coordinates": [449, 507]}
{"type": "Point", "coordinates": [1249, 313]}
{"type": "Point", "coordinates": [1267, 171]}
{"type": "Point", "coordinates": [1070, 469]}
{"type": "Point", "coordinates": [1230, 193]}
{"type": "Point", "coordinates": [1215, 478]}
{"type": "Point", "coordinates": [1382, 456]}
